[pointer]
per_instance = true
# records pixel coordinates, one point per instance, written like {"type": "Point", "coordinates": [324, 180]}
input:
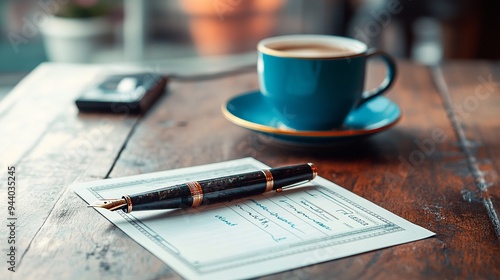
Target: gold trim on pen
{"type": "Point", "coordinates": [196, 193]}
{"type": "Point", "coordinates": [110, 204]}
{"type": "Point", "coordinates": [129, 203]}
{"type": "Point", "coordinates": [269, 180]}
{"type": "Point", "coordinates": [314, 170]}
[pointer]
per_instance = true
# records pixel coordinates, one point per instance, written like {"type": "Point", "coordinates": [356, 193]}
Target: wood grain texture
{"type": "Point", "coordinates": [418, 170]}
{"type": "Point", "coordinates": [51, 146]}
{"type": "Point", "coordinates": [472, 94]}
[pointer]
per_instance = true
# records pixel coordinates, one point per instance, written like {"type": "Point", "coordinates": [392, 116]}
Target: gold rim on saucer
{"type": "Point", "coordinates": [303, 133]}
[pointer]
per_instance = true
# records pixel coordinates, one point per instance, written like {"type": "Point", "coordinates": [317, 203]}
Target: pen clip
{"type": "Point", "coordinates": [291, 186]}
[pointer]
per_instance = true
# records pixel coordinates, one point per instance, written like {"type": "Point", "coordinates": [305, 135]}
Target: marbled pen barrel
{"type": "Point", "coordinates": [221, 189]}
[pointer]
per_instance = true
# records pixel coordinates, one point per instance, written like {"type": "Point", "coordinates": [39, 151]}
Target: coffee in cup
{"type": "Point", "coordinates": [314, 50]}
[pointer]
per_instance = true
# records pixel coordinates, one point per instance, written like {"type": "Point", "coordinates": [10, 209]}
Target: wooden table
{"type": "Point", "coordinates": [437, 168]}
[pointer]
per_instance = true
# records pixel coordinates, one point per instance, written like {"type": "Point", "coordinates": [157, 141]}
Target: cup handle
{"type": "Point", "coordinates": [386, 83]}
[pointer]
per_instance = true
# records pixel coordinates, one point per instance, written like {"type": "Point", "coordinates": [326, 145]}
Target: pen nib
{"type": "Point", "coordinates": [110, 204]}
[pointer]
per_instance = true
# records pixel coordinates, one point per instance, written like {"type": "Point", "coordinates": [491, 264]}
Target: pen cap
{"type": "Point", "coordinates": [290, 175]}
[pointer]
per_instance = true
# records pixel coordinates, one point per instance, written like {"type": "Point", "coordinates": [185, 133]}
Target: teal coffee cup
{"type": "Point", "coordinates": [313, 82]}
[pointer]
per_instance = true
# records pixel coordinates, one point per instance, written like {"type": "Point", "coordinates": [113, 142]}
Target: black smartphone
{"type": "Point", "coordinates": [122, 93]}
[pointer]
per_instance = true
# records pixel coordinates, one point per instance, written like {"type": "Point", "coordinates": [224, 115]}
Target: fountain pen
{"type": "Point", "coordinates": [204, 192]}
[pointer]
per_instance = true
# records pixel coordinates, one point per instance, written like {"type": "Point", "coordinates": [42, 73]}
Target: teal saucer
{"type": "Point", "coordinates": [250, 111]}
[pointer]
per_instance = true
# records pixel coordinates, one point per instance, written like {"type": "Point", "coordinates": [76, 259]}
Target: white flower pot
{"type": "Point", "coordinates": [72, 40]}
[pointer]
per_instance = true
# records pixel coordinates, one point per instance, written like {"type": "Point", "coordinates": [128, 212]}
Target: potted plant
{"type": "Point", "coordinates": [230, 26]}
{"type": "Point", "coordinates": [73, 32]}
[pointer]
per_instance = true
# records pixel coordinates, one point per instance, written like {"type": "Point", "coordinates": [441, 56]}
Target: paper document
{"type": "Point", "coordinates": [254, 236]}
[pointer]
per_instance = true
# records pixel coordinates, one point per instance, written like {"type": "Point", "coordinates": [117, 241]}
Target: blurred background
{"type": "Point", "coordinates": [186, 33]}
